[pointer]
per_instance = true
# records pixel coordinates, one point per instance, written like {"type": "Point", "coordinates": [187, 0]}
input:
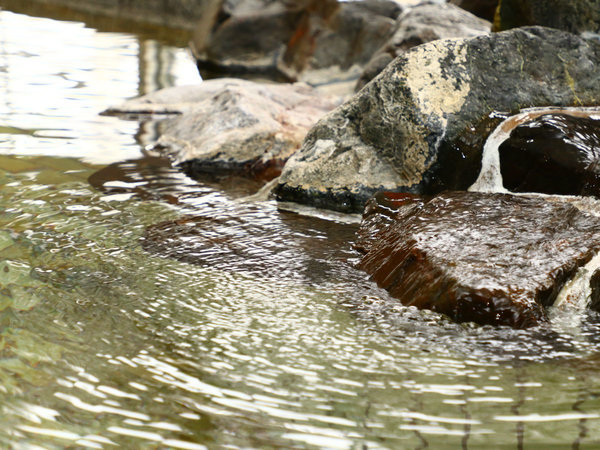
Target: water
{"type": "Point", "coordinates": [105, 344]}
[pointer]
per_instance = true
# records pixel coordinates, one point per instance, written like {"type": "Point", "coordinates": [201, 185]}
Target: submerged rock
{"type": "Point", "coordinates": [231, 125]}
{"type": "Point", "coordinates": [312, 40]}
{"type": "Point", "coordinates": [420, 125]}
{"type": "Point", "coordinates": [576, 16]}
{"type": "Point", "coordinates": [553, 154]}
{"type": "Point", "coordinates": [423, 23]}
{"type": "Point", "coordinates": [488, 258]}
{"type": "Point", "coordinates": [254, 239]}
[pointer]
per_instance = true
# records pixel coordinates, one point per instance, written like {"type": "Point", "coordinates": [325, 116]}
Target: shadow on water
{"type": "Point", "coordinates": [221, 229]}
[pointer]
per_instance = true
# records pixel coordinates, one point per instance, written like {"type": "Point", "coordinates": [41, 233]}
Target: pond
{"type": "Point", "coordinates": [267, 338]}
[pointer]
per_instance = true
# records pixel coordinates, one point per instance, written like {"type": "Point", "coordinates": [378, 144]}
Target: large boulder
{"type": "Point", "coordinates": [423, 23]}
{"type": "Point", "coordinates": [420, 125]}
{"type": "Point", "coordinates": [310, 40]}
{"type": "Point", "coordinates": [231, 125]}
{"type": "Point", "coordinates": [576, 16]}
{"type": "Point", "coordinates": [555, 153]}
{"type": "Point", "coordinates": [488, 258]}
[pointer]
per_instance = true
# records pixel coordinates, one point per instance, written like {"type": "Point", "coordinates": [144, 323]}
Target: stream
{"type": "Point", "coordinates": [113, 336]}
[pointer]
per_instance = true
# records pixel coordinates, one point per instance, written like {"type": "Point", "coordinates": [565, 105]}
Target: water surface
{"type": "Point", "coordinates": [105, 344]}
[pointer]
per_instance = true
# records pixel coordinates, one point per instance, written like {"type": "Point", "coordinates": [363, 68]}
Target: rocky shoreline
{"type": "Point", "coordinates": [433, 82]}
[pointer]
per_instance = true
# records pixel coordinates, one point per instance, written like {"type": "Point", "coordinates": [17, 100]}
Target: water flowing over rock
{"type": "Point", "coordinates": [420, 125]}
{"type": "Point", "coordinates": [231, 125]}
{"type": "Point", "coordinates": [553, 154]}
{"type": "Point", "coordinates": [423, 23]}
{"type": "Point", "coordinates": [576, 16]}
{"type": "Point", "coordinates": [488, 258]}
{"type": "Point", "coordinates": [314, 41]}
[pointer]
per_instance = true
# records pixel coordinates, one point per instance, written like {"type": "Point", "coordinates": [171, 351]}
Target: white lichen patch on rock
{"type": "Point", "coordinates": [349, 169]}
{"type": "Point", "coordinates": [437, 95]}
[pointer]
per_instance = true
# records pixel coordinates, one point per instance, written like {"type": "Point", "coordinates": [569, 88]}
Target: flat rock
{"type": "Point", "coordinates": [576, 16]}
{"type": "Point", "coordinates": [231, 125]}
{"type": "Point", "coordinates": [420, 125]}
{"type": "Point", "coordinates": [492, 259]}
{"type": "Point", "coordinates": [423, 23]}
{"type": "Point", "coordinates": [553, 154]}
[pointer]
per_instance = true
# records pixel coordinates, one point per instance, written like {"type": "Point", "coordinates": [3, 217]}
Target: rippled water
{"type": "Point", "coordinates": [272, 339]}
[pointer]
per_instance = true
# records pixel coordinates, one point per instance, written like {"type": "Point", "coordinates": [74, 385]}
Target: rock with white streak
{"type": "Point", "coordinates": [420, 125]}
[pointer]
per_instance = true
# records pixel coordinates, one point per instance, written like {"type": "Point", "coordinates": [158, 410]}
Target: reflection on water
{"type": "Point", "coordinates": [57, 76]}
{"type": "Point", "coordinates": [103, 344]}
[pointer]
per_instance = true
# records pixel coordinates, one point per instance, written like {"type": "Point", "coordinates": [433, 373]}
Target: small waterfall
{"type": "Point", "coordinates": [575, 295]}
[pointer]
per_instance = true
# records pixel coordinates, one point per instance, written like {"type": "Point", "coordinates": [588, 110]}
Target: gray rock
{"type": "Point", "coordinates": [424, 23]}
{"type": "Point", "coordinates": [576, 16]}
{"type": "Point", "coordinates": [233, 125]}
{"type": "Point", "coordinates": [311, 40]}
{"type": "Point", "coordinates": [421, 124]}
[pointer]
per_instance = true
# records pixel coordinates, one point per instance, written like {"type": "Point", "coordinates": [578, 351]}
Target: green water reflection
{"type": "Point", "coordinates": [105, 345]}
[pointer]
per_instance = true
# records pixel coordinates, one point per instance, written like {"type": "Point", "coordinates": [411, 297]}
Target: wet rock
{"type": "Point", "coordinates": [553, 154]}
{"type": "Point", "coordinates": [313, 41]}
{"type": "Point", "coordinates": [595, 289]}
{"type": "Point", "coordinates": [488, 258]}
{"type": "Point", "coordinates": [481, 8]}
{"type": "Point", "coordinates": [420, 125]}
{"type": "Point", "coordinates": [576, 16]}
{"type": "Point", "coordinates": [231, 125]}
{"type": "Point", "coordinates": [424, 23]}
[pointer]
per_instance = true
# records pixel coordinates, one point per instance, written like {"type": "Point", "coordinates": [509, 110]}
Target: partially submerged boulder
{"type": "Point", "coordinates": [423, 23]}
{"type": "Point", "coordinates": [290, 41]}
{"type": "Point", "coordinates": [492, 259]}
{"type": "Point", "coordinates": [554, 154]}
{"type": "Point", "coordinates": [576, 16]}
{"type": "Point", "coordinates": [255, 239]}
{"type": "Point", "coordinates": [231, 125]}
{"type": "Point", "coordinates": [420, 125]}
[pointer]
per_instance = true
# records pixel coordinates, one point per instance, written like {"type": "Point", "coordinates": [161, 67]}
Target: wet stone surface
{"type": "Point", "coordinates": [487, 258]}
{"type": "Point", "coordinates": [553, 154]}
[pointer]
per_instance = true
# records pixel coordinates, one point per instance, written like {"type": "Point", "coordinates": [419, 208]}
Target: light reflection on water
{"type": "Point", "coordinates": [104, 344]}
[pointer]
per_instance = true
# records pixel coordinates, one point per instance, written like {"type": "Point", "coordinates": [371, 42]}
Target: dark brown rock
{"type": "Point", "coordinates": [488, 258]}
{"type": "Point", "coordinates": [595, 289]}
{"type": "Point", "coordinates": [553, 154]}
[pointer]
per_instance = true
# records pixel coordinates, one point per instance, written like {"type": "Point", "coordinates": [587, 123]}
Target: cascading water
{"type": "Point", "coordinates": [575, 295]}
